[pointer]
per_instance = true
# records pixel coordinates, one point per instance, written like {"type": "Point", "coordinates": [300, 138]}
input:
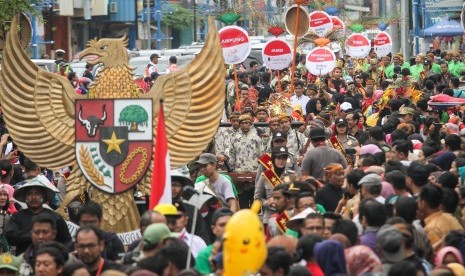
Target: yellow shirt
{"type": "Point", "coordinates": [439, 224]}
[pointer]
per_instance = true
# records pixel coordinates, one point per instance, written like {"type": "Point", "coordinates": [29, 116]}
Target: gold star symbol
{"type": "Point", "coordinates": [113, 143]}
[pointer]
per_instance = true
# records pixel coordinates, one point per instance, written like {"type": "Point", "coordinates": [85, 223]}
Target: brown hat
{"type": "Point", "coordinates": [234, 115]}
{"type": "Point", "coordinates": [245, 118]}
{"type": "Point", "coordinates": [399, 56]}
{"type": "Point", "coordinates": [283, 117]}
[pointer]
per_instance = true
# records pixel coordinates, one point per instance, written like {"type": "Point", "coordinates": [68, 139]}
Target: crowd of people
{"type": "Point", "coordinates": [357, 175]}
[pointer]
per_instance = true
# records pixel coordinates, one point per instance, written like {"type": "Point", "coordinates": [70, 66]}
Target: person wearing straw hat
{"type": "Point", "coordinates": [35, 192]}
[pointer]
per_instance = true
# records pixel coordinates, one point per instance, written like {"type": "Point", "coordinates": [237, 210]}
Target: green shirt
{"type": "Point", "coordinates": [436, 68]}
{"type": "Point", "coordinates": [366, 67]}
{"type": "Point", "coordinates": [415, 71]}
{"type": "Point", "coordinates": [405, 65]}
{"type": "Point", "coordinates": [454, 68]}
{"type": "Point", "coordinates": [388, 70]}
{"type": "Point", "coordinates": [202, 263]}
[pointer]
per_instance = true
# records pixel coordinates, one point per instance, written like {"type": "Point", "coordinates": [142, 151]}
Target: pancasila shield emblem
{"type": "Point", "coordinates": [114, 141]}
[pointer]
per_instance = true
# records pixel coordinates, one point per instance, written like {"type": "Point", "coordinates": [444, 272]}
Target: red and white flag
{"type": "Point", "coordinates": [161, 176]}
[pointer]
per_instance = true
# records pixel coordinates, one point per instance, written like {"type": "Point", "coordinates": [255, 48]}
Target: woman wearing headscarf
{"type": "Point", "coordinates": [361, 259]}
{"type": "Point", "coordinates": [6, 210]}
{"type": "Point", "coordinates": [271, 178]}
{"type": "Point", "coordinates": [330, 257]}
{"type": "Point", "coordinates": [447, 255]}
{"type": "Point", "coordinates": [342, 141]}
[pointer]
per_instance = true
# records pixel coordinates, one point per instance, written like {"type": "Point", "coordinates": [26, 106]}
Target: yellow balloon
{"type": "Point", "coordinates": [244, 248]}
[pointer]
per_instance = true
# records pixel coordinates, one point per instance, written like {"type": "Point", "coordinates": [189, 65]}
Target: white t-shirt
{"type": "Point", "coordinates": [222, 188]}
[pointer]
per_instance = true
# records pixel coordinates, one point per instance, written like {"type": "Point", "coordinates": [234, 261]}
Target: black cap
{"type": "Point", "coordinates": [312, 87]}
{"type": "Point", "coordinates": [341, 121]}
{"type": "Point", "coordinates": [152, 56]}
{"type": "Point", "coordinates": [279, 151]}
{"type": "Point", "coordinates": [405, 72]}
{"type": "Point", "coordinates": [279, 135]}
{"type": "Point", "coordinates": [427, 62]}
{"type": "Point", "coordinates": [317, 132]}
{"type": "Point", "coordinates": [397, 69]}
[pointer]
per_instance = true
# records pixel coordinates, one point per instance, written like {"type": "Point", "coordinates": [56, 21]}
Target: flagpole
{"type": "Point", "coordinates": [161, 178]}
{"type": "Point", "coordinates": [191, 242]}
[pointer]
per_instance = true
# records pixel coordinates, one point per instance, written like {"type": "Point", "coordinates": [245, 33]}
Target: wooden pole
{"type": "Point", "coordinates": [296, 35]}
{"type": "Point", "coordinates": [279, 81]}
{"type": "Point", "coordinates": [236, 82]}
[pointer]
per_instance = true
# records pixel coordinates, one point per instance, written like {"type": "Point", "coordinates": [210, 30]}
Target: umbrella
{"type": "Point", "coordinates": [445, 27]}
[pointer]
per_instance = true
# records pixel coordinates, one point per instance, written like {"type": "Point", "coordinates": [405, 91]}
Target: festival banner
{"type": "Point", "coordinates": [357, 46]}
{"type": "Point", "coordinates": [320, 61]}
{"type": "Point", "coordinates": [382, 44]}
{"type": "Point", "coordinates": [235, 43]}
{"type": "Point", "coordinates": [277, 54]}
{"type": "Point", "coordinates": [338, 25]}
{"type": "Point", "coordinates": [320, 23]}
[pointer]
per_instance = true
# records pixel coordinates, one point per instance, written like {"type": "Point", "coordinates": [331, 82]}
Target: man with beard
{"type": "Point", "coordinates": [89, 247]}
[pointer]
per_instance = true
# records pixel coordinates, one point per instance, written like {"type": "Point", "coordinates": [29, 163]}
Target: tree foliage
{"type": "Point", "coordinates": [177, 17]}
{"type": "Point", "coordinates": [10, 8]}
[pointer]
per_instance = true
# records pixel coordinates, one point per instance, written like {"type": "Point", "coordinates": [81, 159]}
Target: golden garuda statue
{"type": "Point", "coordinates": [107, 136]}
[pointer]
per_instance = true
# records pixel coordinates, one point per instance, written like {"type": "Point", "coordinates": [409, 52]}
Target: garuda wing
{"type": "Point", "coordinates": [193, 101]}
{"type": "Point", "coordinates": [38, 107]}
